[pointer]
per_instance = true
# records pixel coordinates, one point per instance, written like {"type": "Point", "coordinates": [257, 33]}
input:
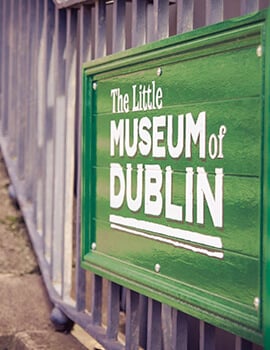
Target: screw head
{"type": "Point", "coordinates": [256, 303]}
{"type": "Point", "coordinates": [157, 268]}
{"type": "Point", "coordinates": [94, 86]}
{"type": "Point", "coordinates": [159, 72]}
{"type": "Point", "coordinates": [94, 246]}
{"type": "Point", "coordinates": [259, 51]}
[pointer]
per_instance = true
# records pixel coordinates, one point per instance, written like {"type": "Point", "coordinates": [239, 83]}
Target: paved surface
{"type": "Point", "coordinates": [24, 305]}
{"type": "Point", "coordinates": [25, 316]}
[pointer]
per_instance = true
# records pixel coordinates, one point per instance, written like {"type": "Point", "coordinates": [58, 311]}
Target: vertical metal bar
{"type": "Point", "coordinates": [96, 299]}
{"type": "Point", "coordinates": [100, 28]}
{"type": "Point", "coordinates": [18, 85]}
{"type": "Point", "coordinates": [248, 6]}
{"type": "Point", "coordinates": [11, 84]}
{"type": "Point", "coordinates": [138, 31]}
{"type": "Point", "coordinates": [246, 345]}
{"type": "Point", "coordinates": [179, 330]}
{"type": "Point", "coordinates": [1, 56]}
{"type": "Point", "coordinates": [31, 129]}
{"type": "Point", "coordinates": [2, 61]}
{"type": "Point", "coordinates": [132, 320]}
{"type": "Point", "coordinates": [185, 14]}
{"type": "Point", "coordinates": [41, 104]}
{"type": "Point", "coordinates": [128, 25]}
{"type": "Point", "coordinates": [49, 23]}
{"type": "Point", "coordinates": [11, 49]}
{"type": "Point", "coordinates": [5, 75]}
{"type": "Point", "coordinates": [263, 4]}
{"type": "Point", "coordinates": [193, 332]}
{"type": "Point", "coordinates": [161, 18]}
{"type": "Point", "coordinates": [86, 35]}
{"type": "Point", "coordinates": [143, 307]}
{"type": "Point", "coordinates": [27, 99]}
{"type": "Point", "coordinates": [166, 320]}
{"type": "Point", "coordinates": [16, 62]}
{"type": "Point", "coordinates": [12, 91]}
{"type": "Point", "coordinates": [34, 154]}
{"type": "Point", "coordinates": [237, 343]}
{"type": "Point", "coordinates": [113, 310]}
{"type": "Point", "coordinates": [154, 330]}
{"type": "Point", "coordinates": [69, 149]}
{"type": "Point", "coordinates": [119, 40]}
{"type": "Point", "coordinates": [84, 54]}
{"type": "Point", "coordinates": [5, 80]}
{"type": "Point", "coordinates": [150, 20]}
{"type": "Point", "coordinates": [172, 18]}
{"type": "Point", "coordinates": [214, 11]}
{"type": "Point", "coordinates": [199, 14]}
{"type": "Point", "coordinates": [207, 336]}
{"type": "Point", "coordinates": [23, 72]}
{"type": "Point", "coordinates": [59, 149]}
{"type": "Point", "coordinates": [17, 74]}
{"type": "Point", "coordinates": [242, 344]}
{"type": "Point", "coordinates": [41, 72]}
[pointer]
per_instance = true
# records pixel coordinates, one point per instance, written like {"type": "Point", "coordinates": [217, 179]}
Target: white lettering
{"type": "Point", "coordinates": [134, 204]}
{"type": "Point", "coordinates": [146, 97]}
{"type": "Point", "coordinates": [117, 137]}
{"type": "Point", "coordinates": [120, 102]}
{"type": "Point", "coordinates": [116, 199]}
{"type": "Point", "coordinates": [213, 146]}
{"type": "Point", "coordinates": [131, 149]}
{"type": "Point", "coordinates": [214, 203]}
{"type": "Point", "coordinates": [175, 151]}
{"type": "Point", "coordinates": [145, 144]}
{"type": "Point", "coordinates": [222, 132]}
{"type": "Point", "coordinates": [158, 136]}
{"type": "Point", "coordinates": [195, 131]}
{"type": "Point", "coordinates": [153, 185]}
{"type": "Point", "coordinates": [131, 135]}
{"type": "Point", "coordinates": [189, 195]}
{"type": "Point", "coordinates": [172, 211]}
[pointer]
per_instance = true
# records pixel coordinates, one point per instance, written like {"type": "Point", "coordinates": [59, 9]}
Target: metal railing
{"type": "Point", "coordinates": [42, 47]}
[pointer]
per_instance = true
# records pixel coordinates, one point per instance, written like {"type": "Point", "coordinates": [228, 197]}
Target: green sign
{"type": "Point", "coordinates": [174, 186]}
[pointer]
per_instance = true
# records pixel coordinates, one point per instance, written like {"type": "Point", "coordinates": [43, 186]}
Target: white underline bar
{"type": "Point", "coordinates": [194, 237]}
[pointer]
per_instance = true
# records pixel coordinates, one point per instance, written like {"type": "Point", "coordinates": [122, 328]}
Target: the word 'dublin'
{"type": "Point", "coordinates": [150, 181]}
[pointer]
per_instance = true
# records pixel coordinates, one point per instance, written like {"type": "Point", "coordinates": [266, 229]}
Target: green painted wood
{"type": "Point", "coordinates": [193, 239]}
{"type": "Point", "coordinates": [226, 80]}
{"type": "Point", "coordinates": [241, 197]}
{"type": "Point", "coordinates": [265, 302]}
{"type": "Point", "coordinates": [241, 135]}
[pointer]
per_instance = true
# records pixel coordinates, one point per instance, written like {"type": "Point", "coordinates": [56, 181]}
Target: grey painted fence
{"type": "Point", "coordinates": [42, 46]}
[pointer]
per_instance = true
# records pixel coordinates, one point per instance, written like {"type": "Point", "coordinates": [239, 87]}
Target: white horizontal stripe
{"type": "Point", "coordinates": [167, 231]}
{"type": "Point", "coordinates": [212, 254]}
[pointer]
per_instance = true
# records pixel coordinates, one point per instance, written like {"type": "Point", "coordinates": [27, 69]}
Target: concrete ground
{"type": "Point", "coordinates": [24, 305]}
{"type": "Point", "coordinates": [25, 316]}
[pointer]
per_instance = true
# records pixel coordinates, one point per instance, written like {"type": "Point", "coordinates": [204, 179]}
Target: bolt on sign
{"type": "Point", "coordinates": [174, 172]}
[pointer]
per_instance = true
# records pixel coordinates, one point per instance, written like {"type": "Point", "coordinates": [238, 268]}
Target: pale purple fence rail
{"type": "Point", "coordinates": [42, 46]}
